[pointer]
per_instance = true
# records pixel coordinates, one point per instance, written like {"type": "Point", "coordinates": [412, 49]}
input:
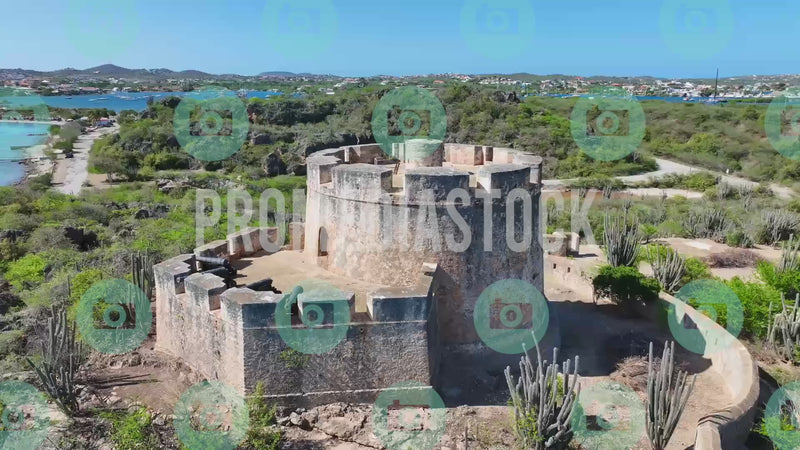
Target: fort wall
{"type": "Point", "coordinates": [359, 225]}
{"type": "Point", "coordinates": [231, 335]}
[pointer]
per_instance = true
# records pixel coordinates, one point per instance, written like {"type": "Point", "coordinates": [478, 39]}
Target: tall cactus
{"type": "Point", "coordinates": [622, 241]}
{"type": "Point", "coordinates": [746, 196]}
{"type": "Point", "coordinates": [667, 395]}
{"type": "Point", "coordinates": [62, 357]}
{"type": "Point", "coordinates": [707, 224]}
{"type": "Point", "coordinates": [142, 270]}
{"type": "Point", "coordinates": [543, 415]}
{"type": "Point", "coordinates": [790, 257]}
{"type": "Point", "coordinates": [784, 330]}
{"type": "Point", "coordinates": [668, 267]}
{"type": "Point", "coordinates": [779, 225]}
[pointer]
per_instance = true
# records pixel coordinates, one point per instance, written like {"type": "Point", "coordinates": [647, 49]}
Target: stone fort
{"type": "Point", "coordinates": [366, 232]}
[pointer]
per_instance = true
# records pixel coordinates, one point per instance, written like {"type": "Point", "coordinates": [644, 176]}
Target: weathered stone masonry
{"type": "Point", "coordinates": [361, 223]}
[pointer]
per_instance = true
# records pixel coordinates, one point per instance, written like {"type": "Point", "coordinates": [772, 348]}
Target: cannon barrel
{"type": "Point", "coordinates": [263, 286]}
{"type": "Point", "coordinates": [215, 262]}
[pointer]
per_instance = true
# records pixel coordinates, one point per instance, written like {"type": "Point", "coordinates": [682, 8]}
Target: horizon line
{"type": "Point", "coordinates": [402, 75]}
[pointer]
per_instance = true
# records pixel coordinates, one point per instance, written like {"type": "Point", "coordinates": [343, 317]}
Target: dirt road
{"type": "Point", "coordinates": [71, 173]}
{"type": "Point", "coordinates": [667, 167]}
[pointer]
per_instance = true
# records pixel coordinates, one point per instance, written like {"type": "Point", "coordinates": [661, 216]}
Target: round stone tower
{"type": "Point", "coordinates": [472, 210]}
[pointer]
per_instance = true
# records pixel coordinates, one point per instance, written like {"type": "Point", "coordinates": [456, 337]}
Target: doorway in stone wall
{"type": "Point", "coordinates": [322, 243]}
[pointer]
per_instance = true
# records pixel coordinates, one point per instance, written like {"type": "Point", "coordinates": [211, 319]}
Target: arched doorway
{"type": "Point", "coordinates": [322, 244]}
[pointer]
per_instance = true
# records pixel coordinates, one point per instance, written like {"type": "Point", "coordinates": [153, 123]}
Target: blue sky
{"type": "Point", "coordinates": [360, 37]}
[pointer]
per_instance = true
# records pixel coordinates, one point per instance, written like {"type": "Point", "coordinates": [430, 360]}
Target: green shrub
{"type": "Point", "coordinates": [623, 285]}
{"type": "Point", "coordinates": [739, 239]}
{"type": "Point", "coordinates": [133, 430]}
{"type": "Point", "coordinates": [755, 298]}
{"type": "Point", "coordinates": [28, 270]}
{"type": "Point", "coordinates": [696, 269]}
{"type": "Point", "coordinates": [81, 283]}
{"type": "Point", "coordinates": [48, 237]}
{"type": "Point", "coordinates": [11, 342]}
{"type": "Point", "coordinates": [9, 251]}
{"type": "Point", "coordinates": [262, 433]}
{"type": "Point", "coordinates": [671, 228]}
{"type": "Point", "coordinates": [787, 282]}
{"type": "Point", "coordinates": [293, 359]}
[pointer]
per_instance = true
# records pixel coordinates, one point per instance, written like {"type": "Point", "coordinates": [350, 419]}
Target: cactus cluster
{"type": "Point", "coordinates": [724, 191]}
{"type": "Point", "coordinates": [778, 225]}
{"type": "Point", "coordinates": [790, 257]}
{"type": "Point", "coordinates": [667, 395]}
{"type": "Point", "coordinates": [543, 415]}
{"type": "Point", "coordinates": [62, 358]}
{"type": "Point", "coordinates": [668, 267]}
{"type": "Point", "coordinates": [142, 271]}
{"type": "Point", "coordinates": [707, 224]}
{"type": "Point", "coordinates": [784, 330]}
{"type": "Point", "coordinates": [746, 196]}
{"type": "Point", "coordinates": [622, 241]}
{"type": "Point", "coordinates": [608, 191]}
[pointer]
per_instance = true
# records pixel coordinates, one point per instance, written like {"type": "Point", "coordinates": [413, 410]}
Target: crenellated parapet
{"type": "Point", "coordinates": [350, 173]}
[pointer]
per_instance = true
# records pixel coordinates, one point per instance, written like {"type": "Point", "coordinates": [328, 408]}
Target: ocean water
{"type": "Point", "coordinates": [136, 101]}
{"type": "Point", "coordinates": [12, 137]}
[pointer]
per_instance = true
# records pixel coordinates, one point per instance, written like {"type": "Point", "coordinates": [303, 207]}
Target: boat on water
{"type": "Point", "coordinates": [98, 99]}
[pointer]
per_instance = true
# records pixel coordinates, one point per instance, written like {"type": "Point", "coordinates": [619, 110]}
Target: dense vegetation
{"type": "Point", "coordinates": [721, 138]}
{"type": "Point", "coordinates": [54, 247]}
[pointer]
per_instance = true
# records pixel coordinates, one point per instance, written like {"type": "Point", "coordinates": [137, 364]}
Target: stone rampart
{"type": "Point", "coordinates": [231, 335]}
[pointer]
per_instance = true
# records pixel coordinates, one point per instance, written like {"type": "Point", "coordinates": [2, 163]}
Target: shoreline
{"type": "Point", "coordinates": [68, 174]}
{"type": "Point", "coordinates": [34, 122]}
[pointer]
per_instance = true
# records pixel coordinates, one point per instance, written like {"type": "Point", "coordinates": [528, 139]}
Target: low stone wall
{"type": "Point", "coordinates": [729, 427]}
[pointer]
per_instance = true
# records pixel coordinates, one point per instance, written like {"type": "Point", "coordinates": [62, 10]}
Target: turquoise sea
{"type": "Point", "coordinates": [136, 101]}
{"type": "Point", "coordinates": [14, 138]}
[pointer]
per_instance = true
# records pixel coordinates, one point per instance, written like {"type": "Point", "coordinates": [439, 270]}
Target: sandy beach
{"type": "Point", "coordinates": [48, 122]}
{"type": "Point", "coordinates": [71, 173]}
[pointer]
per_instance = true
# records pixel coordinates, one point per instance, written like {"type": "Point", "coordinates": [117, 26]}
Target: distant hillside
{"type": "Point", "coordinates": [114, 71]}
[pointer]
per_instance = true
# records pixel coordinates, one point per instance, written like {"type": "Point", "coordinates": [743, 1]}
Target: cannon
{"type": "Point", "coordinates": [263, 286]}
{"type": "Point", "coordinates": [216, 262]}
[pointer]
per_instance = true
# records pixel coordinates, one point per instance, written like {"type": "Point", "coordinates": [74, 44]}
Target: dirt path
{"type": "Point", "coordinates": [72, 173]}
{"type": "Point", "coordinates": [601, 336]}
{"type": "Point", "coordinates": [667, 167]}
